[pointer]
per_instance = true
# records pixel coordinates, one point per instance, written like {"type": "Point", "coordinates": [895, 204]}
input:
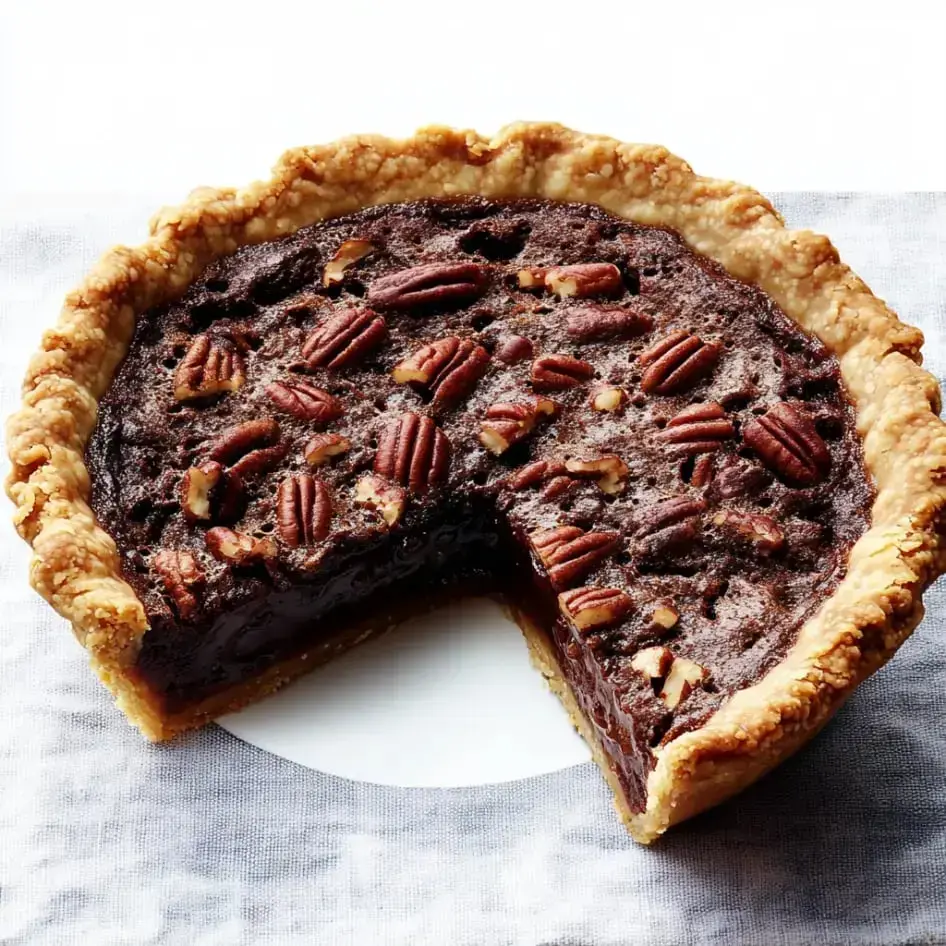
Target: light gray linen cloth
{"type": "Point", "coordinates": [105, 839]}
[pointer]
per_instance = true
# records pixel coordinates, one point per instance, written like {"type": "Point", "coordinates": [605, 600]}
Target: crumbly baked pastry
{"type": "Point", "coordinates": [691, 450]}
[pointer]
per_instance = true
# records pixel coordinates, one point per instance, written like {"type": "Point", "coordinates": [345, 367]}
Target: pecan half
{"type": "Point", "coordinates": [181, 576]}
{"type": "Point", "coordinates": [210, 492]}
{"type": "Point", "coordinates": [238, 548]}
{"type": "Point", "coordinates": [684, 675]}
{"type": "Point", "coordinates": [258, 462]}
{"type": "Point", "coordinates": [786, 441]}
{"type": "Point", "coordinates": [382, 495]}
{"type": "Point", "coordinates": [303, 510]}
{"type": "Point", "coordinates": [512, 349]}
{"type": "Point", "coordinates": [344, 338]}
{"type": "Point", "coordinates": [447, 369]}
{"type": "Point", "coordinates": [669, 525]}
{"type": "Point", "coordinates": [240, 439]}
{"type": "Point", "coordinates": [305, 401]}
{"type": "Point", "coordinates": [570, 553]}
{"type": "Point", "coordinates": [609, 399]}
{"type": "Point", "coordinates": [591, 608]}
{"type": "Point", "coordinates": [322, 447]}
{"type": "Point", "coordinates": [700, 428]}
{"type": "Point", "coordinates": [610, 472]}
{"type": "Point", "coordinates": [211, 366]}
{"type": "Point", "coordinates": [652, 663]}
{"type": "Point", "coordinates": [560, 372]}
{"type": "Point", "coordinates": [445, 284]}
{"type": "Point", "coordinates": [349, 253]}
{"type": "Point", "coordinates": [508, 424]}
{"type": "Point", "coordinates": [595, 323]}
{"type": "Point", "coordinates": [677, 362]}
{"type": "Point", "coordinates": [760, 532]}
{"type": "Point", "coordinates": [583, 280]}
{"type": "Point", "coordinates": [537, 473]}
{"type": "Point", "coordinates": [414, 452]}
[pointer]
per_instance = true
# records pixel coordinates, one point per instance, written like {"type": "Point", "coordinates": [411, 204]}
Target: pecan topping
{"type": "Point", "coordinates": [583, 280]}
{"type": "Point", "coordinates": [258, 462]}
{"type": "Point", "coordinates": [380, 494]}
{"type": "Point", "coordinates": [551, 473]}
{"type": "Point", "coordinates": [652, 663]}
{"type": "Point", "coordinates": [344, 338]}
{"type": "Point", "coordinates": [669, 526]}
{"type": "Point", "coordinates": [591, 608]}
{"type": "Point", "coordinates": [594, 323]}
{"type": "Point", "coordinates": [414, 452]}
{"type": "Point", "coordinates": [665, 615]}
{"type": "Point", "coordinates": [212, 365]}
{"type": "Point", "coordinates": [559, 372]}
{"type": "Point", "coordinates": [239, 440]}
{"type": "Point", "coordinates": [786, 441]}
{"type": "Point", "coordinates": [305, 401]}
{"type": "Point", "coordinates": [508, 424]}
{"type": "Point", "coordinates": [702, 471]}
{"type": "Point", "coordinates": [349, 253]}
{"type": "Point", "coordinates": [569, 553]}
{"type": "Point", "coordinates": [210, 492]}
{"type": "Point", "coordinates": [609, 399]}
{"type": "Point", "coordinates": [447, 369]}
{"type": "Point", "coordinates": [303, 510]}
{"type": "Point", "coordinates": [513, 348]}
{"type": "Point", "coordinates": [532, 278]}
{"type": "Point", "coordinates": [238, 548]}
{"type": "Point", "coordinates": [682, 677]}
{"type": "Point", "coordinates": [322, 447]}
{"type": "Point", "coordinates": [700, 428]}
{"type": "Point", "coordinates": [677, 362]}
{"type": "Point", "coordinates": [610, 472]}
{"type": "Point", "coordinates": [762, 533]}
{"type": "Point", "coordinates": [452, 284]}
{"type": "Point", "coordinates": [181, 575]}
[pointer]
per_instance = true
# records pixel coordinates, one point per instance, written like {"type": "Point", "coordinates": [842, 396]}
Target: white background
{"type": "Point", "coordinates": [102, 103]}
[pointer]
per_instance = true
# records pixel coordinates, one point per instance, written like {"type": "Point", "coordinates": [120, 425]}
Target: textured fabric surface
{"type": "Point", "coordinates": [209, 842]}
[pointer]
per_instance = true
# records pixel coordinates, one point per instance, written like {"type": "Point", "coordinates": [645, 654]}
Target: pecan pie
{"type": "Point", "coordinates": [691, 450]}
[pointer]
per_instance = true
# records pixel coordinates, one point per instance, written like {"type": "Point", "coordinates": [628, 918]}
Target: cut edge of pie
{"type": "Point", "coordinates": [75, 565]}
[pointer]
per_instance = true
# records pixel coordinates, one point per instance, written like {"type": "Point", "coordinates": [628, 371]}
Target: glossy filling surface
{"type": "Point", "coordinates": [528, 398]}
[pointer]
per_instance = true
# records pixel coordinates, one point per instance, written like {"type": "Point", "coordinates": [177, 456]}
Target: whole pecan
{"type": "Point", "coordinates": [322, 447]}
{"type": "Point", "coordinates": [762, 533]}
{"type": "Point", "coordinates": [583, 280]}
{"type": "Point", "coordinates": [181, 575]}
{"type": "Point", "coordinates": [212, 365]}
{"type": "Point", "coordinates": [238, 548]}
{"type": "Point", "coordinates": [344, 338]}
{"type": "Point", "coordinates": [513, 348]}
{"type": "Point", "coordinates": [594, 323]}
{"type": "Point", "coordinates": [414, 452]}
{"type": "Point", "coordinates": [443, 284]}
{"type": "Point", "coordinates": [559, 372]}
{"type": "Point", "coordinates": [349, 253]}
{"type": "Point", "coordinates": [241, 439]}
{"type": "Point", "coordinates": [303, 510]}
{"type": "Point", "coordinates": [700, 428]}
{"type": "Point", "coordinates": [786, 441]}
{"type": "Point", "coordinates": [211, 492]}
{"type": "Point", "coordinates": [677, 362]}
{"type": "Point", "coordinates": [610, 472]}
{"type": "Point", "coordinates": [589, 609]}
{"type": "Point", "coordinates": [508, 424]}
{"type": "Point", "coordinates": [570, 553]}
{"type": "Point", "coordinates": [669, 526]}
{"type": "Point", "coordinates": [447, 369]}
{"type": "Point", "coordinates": [380, 494]}
{"type": "Point", "coordinates": [305, 401]}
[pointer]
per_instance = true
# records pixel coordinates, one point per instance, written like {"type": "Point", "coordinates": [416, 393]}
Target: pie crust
{"type": "Point", "coordinates": [75, 565]}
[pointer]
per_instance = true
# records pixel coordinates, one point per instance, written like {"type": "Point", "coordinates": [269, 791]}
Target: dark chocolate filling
{"type": "Point", "coordinates": [741, 595]}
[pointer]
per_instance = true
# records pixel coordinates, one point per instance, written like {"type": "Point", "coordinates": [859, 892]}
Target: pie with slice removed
{"type": "Point", "coordinates": [691, 451]}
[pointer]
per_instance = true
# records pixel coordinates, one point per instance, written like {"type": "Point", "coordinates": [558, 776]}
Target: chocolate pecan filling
{"type": "Point", "coordinates": [534, 399]}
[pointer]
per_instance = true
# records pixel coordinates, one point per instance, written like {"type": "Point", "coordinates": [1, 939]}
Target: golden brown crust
{"type": "Point", "coordinates": [75, 564]}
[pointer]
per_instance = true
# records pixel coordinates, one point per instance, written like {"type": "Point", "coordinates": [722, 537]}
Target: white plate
{"type": "Point", "coordinates": [448, 699]}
